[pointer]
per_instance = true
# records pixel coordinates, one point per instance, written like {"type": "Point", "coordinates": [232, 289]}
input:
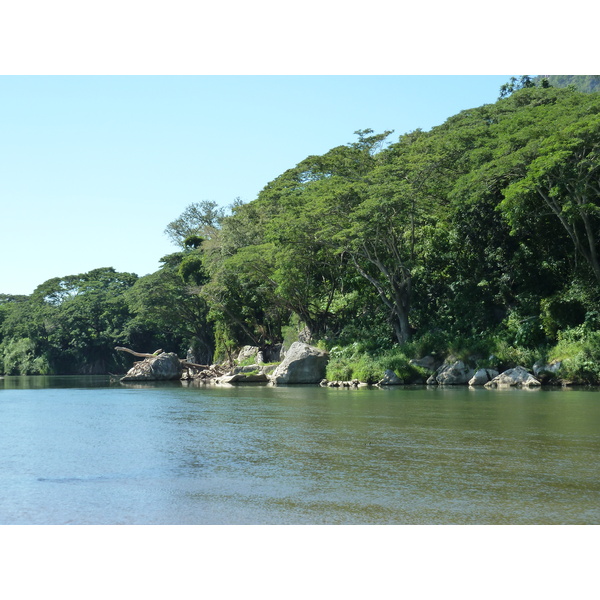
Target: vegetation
{"type": "Point", "coordinates": [479, 239]}
{"type": "Point", "coordinates": [582, 83]}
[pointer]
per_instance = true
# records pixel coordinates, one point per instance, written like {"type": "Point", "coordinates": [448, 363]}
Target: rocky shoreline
{"type": "Point", "coordinates": [306, 364]}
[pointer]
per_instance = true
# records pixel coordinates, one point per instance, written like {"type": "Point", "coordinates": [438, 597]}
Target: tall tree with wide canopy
{"type": "Point", "coordinates": [371, 207]}
{"type": "Point", "coordinates": [563, 178]}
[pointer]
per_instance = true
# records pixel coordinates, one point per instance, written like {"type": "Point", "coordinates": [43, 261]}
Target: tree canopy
{"type": "Point", "coordinates": [488, 224]}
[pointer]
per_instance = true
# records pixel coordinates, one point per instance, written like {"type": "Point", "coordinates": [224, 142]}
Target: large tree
{"type": "Point", "coordinates": [168, 311]}
{"type": "Point", "coordinates": [73, 322]}
{"type": "Point", "coordinates": [562, 177]}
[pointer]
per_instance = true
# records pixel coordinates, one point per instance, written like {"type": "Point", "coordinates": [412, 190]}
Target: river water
{"type": "Point", "coordinates": [88, 451]}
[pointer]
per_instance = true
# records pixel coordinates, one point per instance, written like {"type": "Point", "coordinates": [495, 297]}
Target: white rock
{"type": "Point", "coordinates": [390, 378]}
{"type": "Point", "coordinates": [165, 366]}
{"type": "Point", "coordinates": [302, 364]}
{"type": "Point", "coordinates": [482, 376]}
{"type": "Point", "coordinates": [456, 373]}
{"type": "Point", "coordinates": [517, 377]}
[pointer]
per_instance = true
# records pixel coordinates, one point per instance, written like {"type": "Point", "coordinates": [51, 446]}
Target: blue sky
{"type": "Point", "coordinates": [99, 150]}
{"type": "Point", "coordinates": [93, 168]}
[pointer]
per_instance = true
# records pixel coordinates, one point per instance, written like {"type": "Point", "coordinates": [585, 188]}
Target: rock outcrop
{"type": "Point", "coordinates": [517, 377]}
{"type": "Point", "coordinates": [247, 352]}
{"type": "Point", "coordinates": [547, 373]}
{"type": "Point", "coordinates": [428, 362]}
{"type": "Point", "coordinates": [390, 378]}
{"type": "Point", "coordinates": [455, 373]}
{"type": "Point", "coordinates": [353, 384]}
{"type": "Point", "coordinates": [165, 366]}
{"type": "Point", "coordinates": [267, 354]}
{"type": "Point", "coordinates": [243, 378]}
{"type": "Point", "coordinates": [482, 376]}
{"type": "Point", "coordinates": [246, 374]}
{"type": "Point", "coordinates": [302, 364]}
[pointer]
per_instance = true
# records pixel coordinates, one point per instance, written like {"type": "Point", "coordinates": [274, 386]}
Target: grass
{"type": "Point", "coordinates": [579, 352]}
{"type": "Point", "coordinates": [354, 362]}
{"type": "Point", "coordinates": [578, 349]}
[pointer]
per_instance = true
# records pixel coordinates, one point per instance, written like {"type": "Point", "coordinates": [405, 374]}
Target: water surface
{"type": "Point", "coordinates": [88, 451]}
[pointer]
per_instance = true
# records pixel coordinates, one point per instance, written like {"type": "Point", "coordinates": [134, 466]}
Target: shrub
{"type": "Point", "coordinates": [557, 314]}
{"type": "Point", "coordinates": [18, 358]}
{"type": "Point", "coordinates": [505, 355]}
{"type": "Point", "coordinates": [353, 362]}
{"type": "Point", "coordinates": [339, 370]}
{"type": "Point", "coordinates": [525, 331]}
{"type": "Point", "coordinates": [431, 342]}
{"type": "Point", "coordinates": [579, 352]}
{"type": "Point", "coordinates": [367, 369]}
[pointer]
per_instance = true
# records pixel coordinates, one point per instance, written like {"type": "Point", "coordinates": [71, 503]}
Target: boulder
{"type": "Point", "coordinates": [247, 374]}
{"type": "Point", "coordinates": [256, 377]}
{"type": "Point", "coordinates": [268, 369]}
{"type": "Point", "coordinates": [482, 376]}
{"type": "Point", "coordinates": [517, 377]}
{"type": "Point", "coordinates": [247, 352]}
{"type": "Point", "coordinates": [427, 362]}
{"type": "Point", "coordinates": [540, 368]}
{"type": "Point", "coordinates": [163, 367]}
{"type": "Point", "coordinates": [270, 354]}
{"type": "Point", "coordinates": [455, 373]}
{"type": "Point", "coordinates": [267, 354]}
{"type": "Point", "coordinates": [243, 370]}
{"type": "Point", "coordinates": [390, 378]}
{"type": "Point", "coordinates": [547, 373]}
{"type": "Point", "coordinates": [302, 364]}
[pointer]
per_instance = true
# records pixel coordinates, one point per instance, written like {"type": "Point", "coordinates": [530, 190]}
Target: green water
{"type": "Point", "coordinates": [88, 451]}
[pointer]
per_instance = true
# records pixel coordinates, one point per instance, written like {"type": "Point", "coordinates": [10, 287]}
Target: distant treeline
{"type": "Point", "coordinates": [583, 83]}
{"type": "Point", "coordinates": [480, 236]}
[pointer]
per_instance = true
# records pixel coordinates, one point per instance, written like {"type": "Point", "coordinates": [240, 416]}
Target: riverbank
{"type": "Point", "coordinates": [464, 362]}
{"type": "Point", "coordinates": [573, 360]}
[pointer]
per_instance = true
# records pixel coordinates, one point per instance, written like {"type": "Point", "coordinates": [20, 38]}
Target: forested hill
{"type": "Point", "coordinates": [583, 83]}
{"type": "Point", "coordinates": [478, 238]}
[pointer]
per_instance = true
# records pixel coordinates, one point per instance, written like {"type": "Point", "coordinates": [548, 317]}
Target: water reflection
{"type": "Point", "coordinates": [40, 382]}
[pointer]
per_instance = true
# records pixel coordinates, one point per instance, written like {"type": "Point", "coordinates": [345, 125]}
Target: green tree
{"type": "Point", "coordinates": [168, 311]}
{"type": "Point", "coordinates": [563, 175]}
{"type": "Point", "coordinates": [514, 84]}
{"type": "Point", "coordinates": [360, 219]}
{"type": "Point", "coordinates": [199, 218]}
{"type": "Point", "coordinates": [72, 323]}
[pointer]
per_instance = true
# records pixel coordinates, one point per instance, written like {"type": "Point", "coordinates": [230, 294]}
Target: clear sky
{"type": "Point", "coordinates": [115, 116]}
{"type": "Point", "coordinates": [93, 168]}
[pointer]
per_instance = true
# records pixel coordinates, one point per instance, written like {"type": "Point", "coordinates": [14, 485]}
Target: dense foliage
{"type": "Point", "coordinates": [480, 237]}
{"type": "Point", "coordinates": [582, 83]}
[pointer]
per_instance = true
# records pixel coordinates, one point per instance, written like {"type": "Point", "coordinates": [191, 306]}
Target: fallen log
{"type": "Point", "coordinates": [185, 363]}
{"type": "Point", "coordinates": [140, 354]}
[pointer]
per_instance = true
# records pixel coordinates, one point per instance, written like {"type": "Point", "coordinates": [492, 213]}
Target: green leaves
{"type": "Point", "coordinates": [71, 323]}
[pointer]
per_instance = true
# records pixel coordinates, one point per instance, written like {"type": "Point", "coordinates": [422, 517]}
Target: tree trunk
{"type": "Point", "coordinates": [401, 310]}
{"type": "Point", "coordinates": [399, 302]}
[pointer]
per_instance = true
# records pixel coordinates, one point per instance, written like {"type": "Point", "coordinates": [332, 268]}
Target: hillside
{"type": "Point", "coordinates": [583, 83]}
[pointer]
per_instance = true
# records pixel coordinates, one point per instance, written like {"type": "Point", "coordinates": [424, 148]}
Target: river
{"type": "Point", "coordinates": [85, 450]}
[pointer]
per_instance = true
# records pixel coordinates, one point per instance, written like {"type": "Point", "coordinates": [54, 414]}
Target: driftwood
{"type": "Point", "coordinates": [185, 363]}
{"type": "Point", "coordinates": [140, 354]}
